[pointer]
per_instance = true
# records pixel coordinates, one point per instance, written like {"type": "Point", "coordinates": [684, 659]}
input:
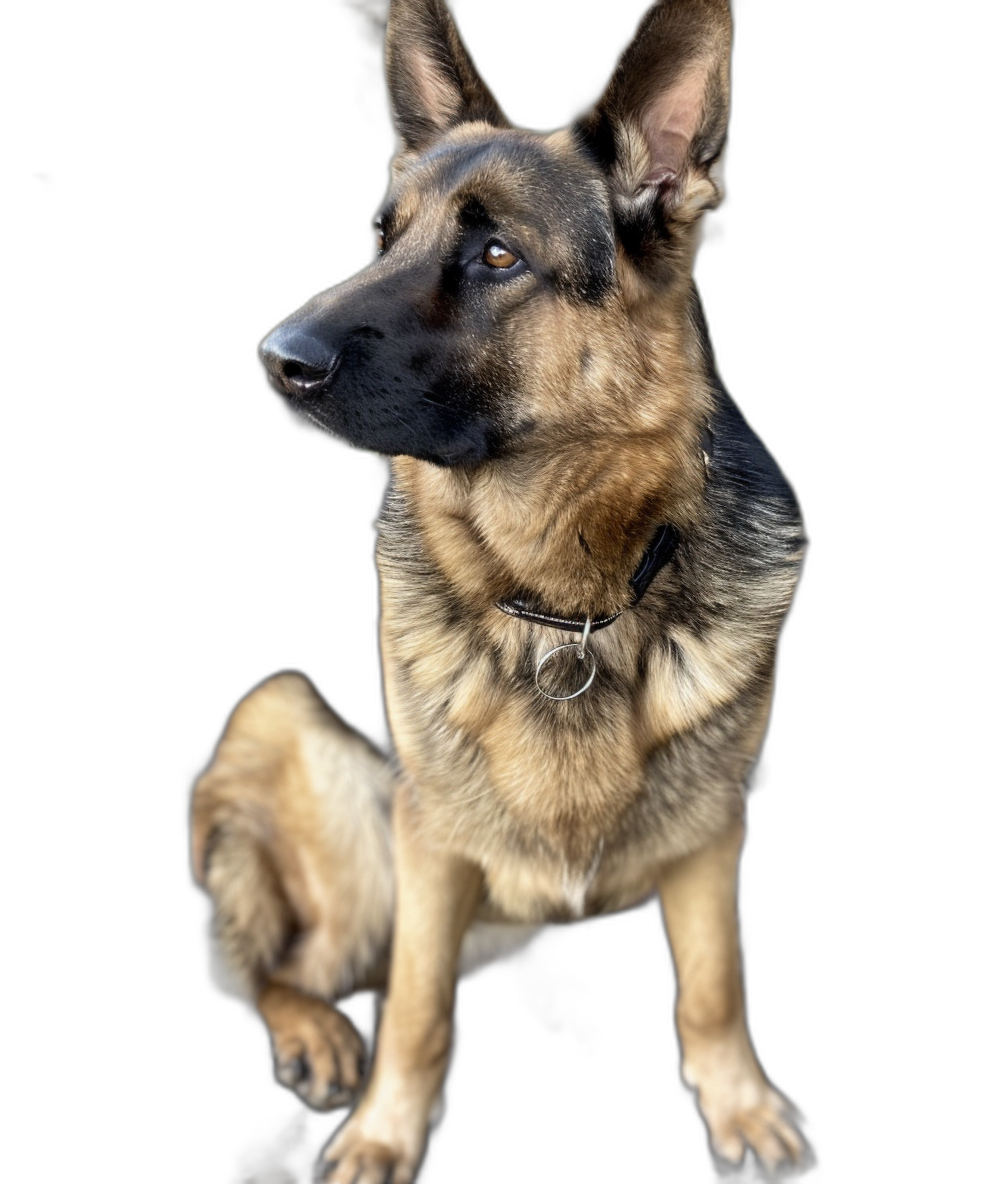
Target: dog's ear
{"type": "Point", "coordinates": [433, 84]}
{"type": "Point", "coordinates": [662, 120]}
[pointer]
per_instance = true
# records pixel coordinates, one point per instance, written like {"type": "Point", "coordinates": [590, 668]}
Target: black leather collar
{"type": "Point", "coordinates": [659, 551]}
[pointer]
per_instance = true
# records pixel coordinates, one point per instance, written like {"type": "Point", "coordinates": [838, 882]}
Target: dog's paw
{"type": "Point", "coordinates": [318, 1053]}
{"type": "Point", "coordinates": [384, 1139]}
{"type": "Point", "coordinates": [755, 1134]}
{"type": "Point", "coordinates": [753, 1128]}
{"type": "Point", "coordinates": [358, 1155]}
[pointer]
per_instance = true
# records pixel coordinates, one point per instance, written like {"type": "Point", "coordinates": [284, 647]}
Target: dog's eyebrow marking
{"type": "Point", "coordinates": [474, 213]}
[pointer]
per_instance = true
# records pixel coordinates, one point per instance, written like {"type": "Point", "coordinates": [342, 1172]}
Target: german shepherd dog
{"type": "Point", "coordinates": [585, 557]}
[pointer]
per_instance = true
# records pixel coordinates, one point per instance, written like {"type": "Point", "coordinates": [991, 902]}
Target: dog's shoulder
{"type": "Point", "coordinates": [746, 480]}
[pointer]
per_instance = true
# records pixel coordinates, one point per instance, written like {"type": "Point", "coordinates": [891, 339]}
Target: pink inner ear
{"type": "Point", "coordinates": [668, 155]}
{"type": "Point", "coordinates": [670, 122]}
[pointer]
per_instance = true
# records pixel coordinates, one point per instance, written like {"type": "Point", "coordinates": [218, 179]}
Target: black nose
{"type": "Point", "coordinates": [298, 364]}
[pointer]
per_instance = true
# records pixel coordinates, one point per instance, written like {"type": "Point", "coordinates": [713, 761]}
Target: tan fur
{"type": "Point", "coordinates": [740, 1106]}
{"type": "Point", "coordinates": [506, 807]}
{"type": "Point", "coordinates": [309, 798]}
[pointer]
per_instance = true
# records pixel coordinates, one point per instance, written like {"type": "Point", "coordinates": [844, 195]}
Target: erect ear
{"type": "Point", "coordinates": [432, 82]}
{"type": "Point", "coordinates": [662, 121]}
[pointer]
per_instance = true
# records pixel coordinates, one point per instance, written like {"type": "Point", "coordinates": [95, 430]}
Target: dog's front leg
{"type": "Point", "coordinates": [383, 1141]}
{"type": "Point", "coordinates": [739, 1105]}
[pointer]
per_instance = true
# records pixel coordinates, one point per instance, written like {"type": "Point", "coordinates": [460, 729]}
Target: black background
{"type": "Point", "coordinates": [238, 168]}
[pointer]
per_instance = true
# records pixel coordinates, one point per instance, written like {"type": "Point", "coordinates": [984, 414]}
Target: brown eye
{"type": "Point", "coordinates": [380, 234]}
{"type": "Point", "coordinates": [495, 254]}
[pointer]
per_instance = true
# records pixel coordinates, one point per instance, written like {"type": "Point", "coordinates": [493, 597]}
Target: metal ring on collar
{"type": "Point", "coordinates": [582, 650]}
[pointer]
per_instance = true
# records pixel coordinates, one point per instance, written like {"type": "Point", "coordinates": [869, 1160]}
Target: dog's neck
{"type": "Point", "coordinates": [567, 529]}
{"type": "Point", "coordinates": [659, 552]}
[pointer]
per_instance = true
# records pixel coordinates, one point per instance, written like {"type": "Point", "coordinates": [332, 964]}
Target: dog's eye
{"type": "Point", "coordinates": [495, 254]}
{"type": "Point", "coordinates": [380, 235]}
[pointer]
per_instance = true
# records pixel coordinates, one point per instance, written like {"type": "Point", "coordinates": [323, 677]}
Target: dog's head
{"type": "Point", "coordinates": [522, 279]}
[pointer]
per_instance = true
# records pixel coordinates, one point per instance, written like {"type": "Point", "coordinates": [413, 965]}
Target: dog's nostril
{"type": "Point", "coordinates": [301, 379]}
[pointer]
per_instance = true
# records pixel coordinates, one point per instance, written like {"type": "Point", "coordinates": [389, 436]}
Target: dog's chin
{"type": "Point", "coordinates": [467, 444]}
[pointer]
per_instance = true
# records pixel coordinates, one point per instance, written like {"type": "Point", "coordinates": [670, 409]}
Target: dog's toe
{"type": "Point", "coordinates": [362, 1162]}
{"type": "Point", "coordinates": [292, 1070]}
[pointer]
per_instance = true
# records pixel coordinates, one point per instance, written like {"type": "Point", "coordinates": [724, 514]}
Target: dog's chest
{"type": "Point", "coordinates": [569, 808]}
{"type": "Point", "coordinates": [497, 767]}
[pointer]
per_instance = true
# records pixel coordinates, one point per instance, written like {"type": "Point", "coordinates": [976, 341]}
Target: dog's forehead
{"type": "Point", "coordinates": [542, 182]}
